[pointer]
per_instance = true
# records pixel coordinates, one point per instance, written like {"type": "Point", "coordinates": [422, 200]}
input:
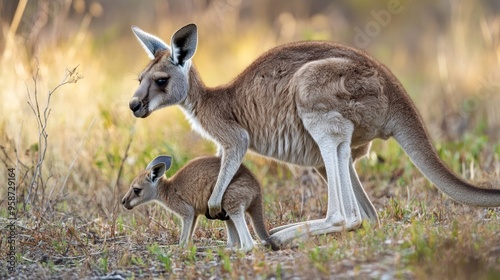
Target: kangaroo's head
{"type": "Point", "coordinates": [165, 81]}
{"type": "Point", "coordinates": [144, 188]}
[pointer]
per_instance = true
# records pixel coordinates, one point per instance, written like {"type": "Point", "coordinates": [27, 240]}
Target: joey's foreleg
{"type": "Point", "coordinates": [233, 239]}
{"type": "Point", "coordinates": [188, 225]}
{"type": "Point", "coordinates": [234, 144]}
{"type": "Point", "coordinates": [246, 241]}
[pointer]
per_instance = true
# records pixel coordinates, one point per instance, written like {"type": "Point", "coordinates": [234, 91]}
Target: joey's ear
{"type": "Point", "coordinates": [184, 44]}
{"type": "Point", "coordinates": [166, 160]}
{"type": "Point", "coordinates": [150, 43]}
{"type": "Point", "coordinates": [157, 171]}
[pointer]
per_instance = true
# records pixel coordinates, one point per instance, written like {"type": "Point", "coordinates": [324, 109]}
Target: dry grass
{"type": "Point", "coordinates": [71, 226]}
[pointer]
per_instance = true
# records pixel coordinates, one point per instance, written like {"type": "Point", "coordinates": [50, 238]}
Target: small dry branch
{"type": "Point", "coordinates": [42, 118]}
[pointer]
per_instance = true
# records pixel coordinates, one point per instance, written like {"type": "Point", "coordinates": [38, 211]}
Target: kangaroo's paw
{"type": "Point", "coordinates": [317, 227]}
{"type": "Point", "coordinates": [220, 216]}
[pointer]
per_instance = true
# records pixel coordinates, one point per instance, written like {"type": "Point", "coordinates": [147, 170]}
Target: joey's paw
{"type": "Point", "coordinates": [219, 216]}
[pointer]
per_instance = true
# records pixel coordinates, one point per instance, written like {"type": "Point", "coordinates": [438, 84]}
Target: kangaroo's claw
{"type": "Point", "coordinates": [220, 216]}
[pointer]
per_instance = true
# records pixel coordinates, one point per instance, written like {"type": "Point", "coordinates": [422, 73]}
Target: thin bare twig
{"type": "Point", "coordinates": [118, 177]}
{"type": "Point", "coordinates": [124, 158]}
{"type": "Point", "coordinates": [71, 76]}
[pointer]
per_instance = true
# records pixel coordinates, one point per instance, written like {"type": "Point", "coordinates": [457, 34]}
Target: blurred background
{"type": "Point", "coordinates": [446, 54]}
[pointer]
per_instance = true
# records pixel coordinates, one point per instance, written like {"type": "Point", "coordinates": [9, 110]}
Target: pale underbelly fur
{"type": "Point", "coordinates": [287, 141]}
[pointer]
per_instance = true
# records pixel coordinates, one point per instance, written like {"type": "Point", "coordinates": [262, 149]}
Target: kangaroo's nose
{"type": "Point", "coordinates": [134, 104]}
{"type": "Point", "coordinates": [123, 201]}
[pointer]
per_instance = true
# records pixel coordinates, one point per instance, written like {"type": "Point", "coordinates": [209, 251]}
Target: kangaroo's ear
{"type": "Point", "coordinates": [158, 166]}
{"type": "Point", "coordinates": [157, 171]}
{"type": "Point", "coordinates": [184, 44]}
{"type": "Point", "coordinates": [150, 43]}
{"type": "Point", "coordinates": [165, 160]}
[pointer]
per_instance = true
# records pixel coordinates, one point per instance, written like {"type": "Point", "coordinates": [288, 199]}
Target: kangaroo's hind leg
{"type": "Point", "coordinates": [367, 209]}
{"type": "Point", "coordinates": [333, 134]}
{"type": "Point", "coordinates": [369, 212]}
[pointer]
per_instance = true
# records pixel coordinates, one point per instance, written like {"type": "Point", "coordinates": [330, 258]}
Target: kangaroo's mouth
{"type": "Point", "coordinates": [128, 206]}
{"type": "Point", "coordinates": [141, 113]}
{"type": "Point", "coordinates": [138, 107]}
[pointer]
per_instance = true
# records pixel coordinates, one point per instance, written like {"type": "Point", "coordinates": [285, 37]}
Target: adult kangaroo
{"type": "Point", "coordinates": [311, 103]}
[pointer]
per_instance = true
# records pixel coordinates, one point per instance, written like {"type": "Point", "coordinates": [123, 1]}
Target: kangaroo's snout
{"type": "Point", "coordinates": [134, 104]}
{"type": "Point", "coordinates": [139, 110]}
{"type": "Point", "coordinates": [126, 203]}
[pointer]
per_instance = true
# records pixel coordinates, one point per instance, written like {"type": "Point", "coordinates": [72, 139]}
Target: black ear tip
{"type": "Point", "coordinates": [191, 27]}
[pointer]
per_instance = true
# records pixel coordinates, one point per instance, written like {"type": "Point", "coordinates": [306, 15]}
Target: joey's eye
{"type": "Point", "coordinates": [161, 82]}
{"type": "Point", "coordinates": [136, 190]}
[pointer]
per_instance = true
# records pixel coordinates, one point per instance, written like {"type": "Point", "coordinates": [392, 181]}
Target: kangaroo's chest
{"type": "Point", "coordinates": [280, 136]}
{"type": "Point", "coordinates": [196, 126]}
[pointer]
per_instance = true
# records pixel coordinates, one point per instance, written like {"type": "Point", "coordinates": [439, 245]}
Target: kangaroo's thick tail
{"type": "Point", "coordinates": [409, 131]}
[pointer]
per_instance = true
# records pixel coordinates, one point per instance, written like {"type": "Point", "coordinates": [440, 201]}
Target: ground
{"type": "Point", "coordinates": [422, 234]}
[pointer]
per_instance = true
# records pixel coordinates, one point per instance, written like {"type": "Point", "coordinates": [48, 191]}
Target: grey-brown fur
{"type": "Point", "coordinates": [314, 104]}
{"type": "Point", "coordinates": [187, 192]}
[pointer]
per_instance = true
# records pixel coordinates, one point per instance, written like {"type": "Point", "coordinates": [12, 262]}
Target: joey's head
{"type": "Point", "coordinates": [144, 188]}
{"type": "Point", "coordinates": [165, 81]}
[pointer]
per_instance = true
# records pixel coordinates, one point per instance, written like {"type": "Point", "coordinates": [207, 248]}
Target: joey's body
{"type": "Point", "coordinates": [187, 192]}
{"type": "Point", "coordinates": [193, 184]}
{"type": "Point", "coordinates": [314, 104]}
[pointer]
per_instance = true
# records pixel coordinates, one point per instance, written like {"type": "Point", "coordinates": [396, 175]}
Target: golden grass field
{"type": "Point", "coordinates": [70, 223]}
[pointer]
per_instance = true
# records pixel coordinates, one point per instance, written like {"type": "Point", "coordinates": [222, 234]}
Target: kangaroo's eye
{"type": "Point", "coordinates": [136, 190]}
{"type": "Point", "coordinates": [161, 82]}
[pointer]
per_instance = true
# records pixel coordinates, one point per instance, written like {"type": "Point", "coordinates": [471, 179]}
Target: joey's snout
{"type": "Point", "coordinates": [126, 203]}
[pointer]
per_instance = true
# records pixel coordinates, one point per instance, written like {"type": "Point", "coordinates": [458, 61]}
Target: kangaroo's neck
{"type": "Point", "coordinates": [198, 96]}
{"type": "Point", "coordinates": [196, 92]}
{"type": "Point", "coordinates": [165, 191]}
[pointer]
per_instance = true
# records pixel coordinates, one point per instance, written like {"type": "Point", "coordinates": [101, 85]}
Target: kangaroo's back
{"type": "Point", "coordinates": [263, 98]}
{"type": "Point", "coordinates": [195, 181]}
